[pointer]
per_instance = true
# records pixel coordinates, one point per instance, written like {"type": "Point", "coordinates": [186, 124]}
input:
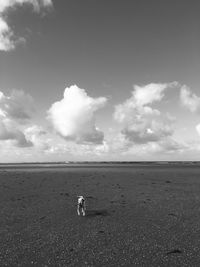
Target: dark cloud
{"type": "Point", "coordinates": [8, 132]}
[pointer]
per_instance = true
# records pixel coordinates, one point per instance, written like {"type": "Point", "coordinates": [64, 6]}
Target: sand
{"type": "Point", "coordinates": [136, 216]}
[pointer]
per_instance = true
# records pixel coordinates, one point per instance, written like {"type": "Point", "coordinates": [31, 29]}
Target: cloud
{"type": "Point", "coordinates": [7, 37]}
{"type": "Point", "coordinates": [17, 106]}
{"type": "Point", "coordinates": [150, 93]}
{"type": "Point", "coordinates": [15, 109]}
{"type": "Point", "coordinates": [168, 145]}
{"type": "Point", "coordinates": [81, 151]}
{"type": "Point", "coordinates": [88, 150]}
{"type": "Point", "coordinates": [8, 131]}
{"type": "Point", "coordinates": [189, 99]}
{"type": "Point", "coordinates": [37, 136]}
{"type": "Point", "coordinates": [117, 144]}
{"type": "Point", "coordinates": [120, 148]}
{"type": "Point", "coordinates": [198, 129]}
{"type": "Point", "coordinates": [149, 131]}
{"type": "Point", "coordinates": [151, 150]}
{"type": "Point", "coordinates": [73, 117]}
{"type": "Point", "coordinates": [142, 123]}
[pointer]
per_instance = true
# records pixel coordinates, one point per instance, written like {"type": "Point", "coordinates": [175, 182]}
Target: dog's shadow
{"type": "Point", "coordinates": [94, 213]}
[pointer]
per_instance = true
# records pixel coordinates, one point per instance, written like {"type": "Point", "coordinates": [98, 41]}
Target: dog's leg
{"type": "Point", "coordinates": [78, 211]}
{"type": "Point", "coordinates": [83, 211]}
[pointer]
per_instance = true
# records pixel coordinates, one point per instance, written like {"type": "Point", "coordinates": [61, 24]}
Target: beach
{"type": "Point", "coordinates": [137, 215]}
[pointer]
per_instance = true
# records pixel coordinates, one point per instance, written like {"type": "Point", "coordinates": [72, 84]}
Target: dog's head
{"type": "Point", "coordinates": [80, 198]}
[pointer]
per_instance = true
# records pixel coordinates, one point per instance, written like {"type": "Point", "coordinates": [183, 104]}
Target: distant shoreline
{"type": "Point", "coordinates": [101, 162]}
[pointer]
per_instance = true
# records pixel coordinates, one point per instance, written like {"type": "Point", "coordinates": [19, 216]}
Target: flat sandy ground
{"type": "Point", "coordinates": [136, 216]}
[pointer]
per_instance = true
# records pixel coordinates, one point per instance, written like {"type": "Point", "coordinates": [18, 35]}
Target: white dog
{"type": "Point", "coordinates": [81, 207]}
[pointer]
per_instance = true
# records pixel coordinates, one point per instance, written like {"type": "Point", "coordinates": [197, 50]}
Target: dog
{"type": "Point", "coordinates": [81, 207]}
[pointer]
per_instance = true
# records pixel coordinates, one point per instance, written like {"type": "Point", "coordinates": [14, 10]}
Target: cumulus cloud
{"type": "Point", "coordinates": [150, 93]}
{"type": "Point", "coordinates": [88, 150]}
{"type": "Point", "coordinates": [37, 136]}
{"type": "Point", "coordinates": [82, 151]}
{"type": "Point", "coordinates": [8, 131]}
{"type": "Point", "coordinates": [73, 117]}
{"type": "Point", "coordinates": [142, 97]}
{"type": "Point", "coordinates": [122, 148]}
{"type": "Point", "coordinates": [168, 145]}
{"type": "Point", "coordinates": [149, 131]}
{"type": "Point", "coordinates": [7, 37]}
{"type": "Point", "coordinates": [198, 128]}
{"type": "Point", "coordinates": [189, 99]}
{"type": "Point", "coordinates": [142, 123]}
{"type": "Point", "coordinates": [17, 106]}
{"type": "Point", "coordinates": [15, 109]}
{"type": "Point", "coordinates": [117, 143]}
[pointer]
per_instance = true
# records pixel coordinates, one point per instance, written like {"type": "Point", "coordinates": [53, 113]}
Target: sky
{"type": "Point", "coordinates": [99, 80]}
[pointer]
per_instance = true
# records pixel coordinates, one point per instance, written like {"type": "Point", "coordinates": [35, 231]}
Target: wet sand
{"type": "Point", "coordinates": [136, 216]}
